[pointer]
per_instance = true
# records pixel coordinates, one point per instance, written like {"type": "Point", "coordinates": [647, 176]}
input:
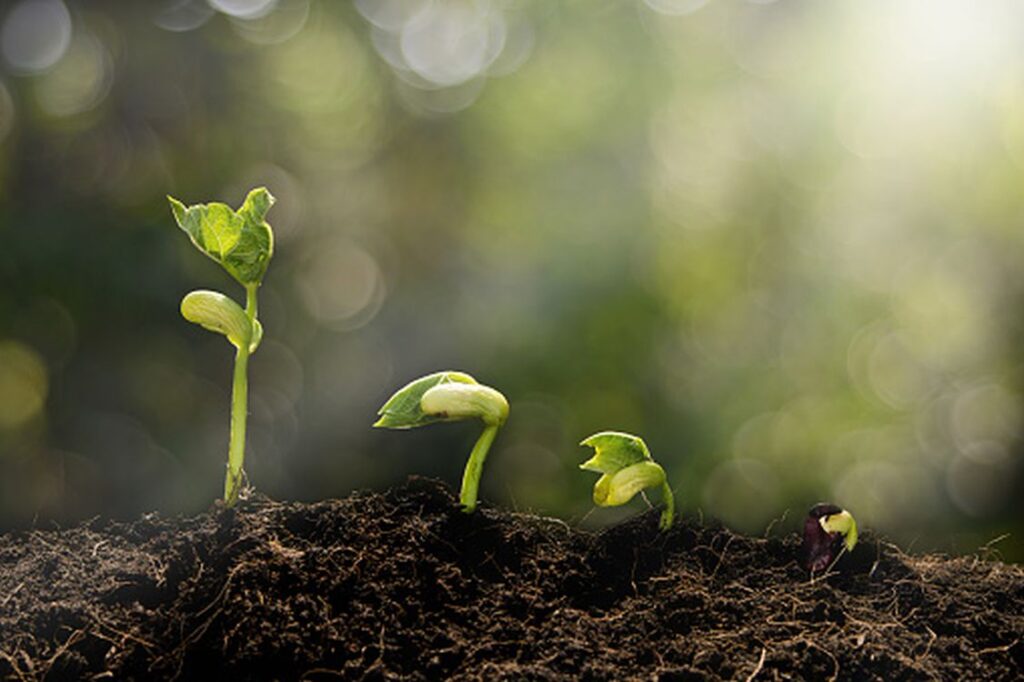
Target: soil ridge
{"type": "Point", "coordinates": [403, 585]}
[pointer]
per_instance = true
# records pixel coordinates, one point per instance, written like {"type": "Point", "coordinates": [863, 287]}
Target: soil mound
{"type": "Point", "coordinates": [402, 585]}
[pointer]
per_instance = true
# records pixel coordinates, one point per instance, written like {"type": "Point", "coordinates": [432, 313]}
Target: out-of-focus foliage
{"type": "Point", "coordinates": [782, 240]}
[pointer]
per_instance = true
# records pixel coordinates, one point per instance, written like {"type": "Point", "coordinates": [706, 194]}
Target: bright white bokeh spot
{"type": "Point", "coordinates": [442, 52]}
{"type": "Point", "coordinates": [35, 35]}
{"type": "Point", "coordinates": [243, 9]}
{"type": "Point", "coordinates": [451, 43]}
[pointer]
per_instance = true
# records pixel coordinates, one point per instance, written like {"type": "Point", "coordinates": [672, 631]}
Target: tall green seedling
{"type": "Point", "coordinates": [243, 243]}
{"type": "Point", "coordinates": [450, 396]}
{"type": "Point", "coordinates": [626, 468]}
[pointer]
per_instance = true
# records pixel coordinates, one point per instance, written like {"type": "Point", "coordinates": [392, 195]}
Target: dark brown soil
{"type": "Point", "coordinates": [403, 585]}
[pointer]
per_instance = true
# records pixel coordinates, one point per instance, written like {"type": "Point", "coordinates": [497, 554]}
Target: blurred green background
{"type": "Point", "coordinates": [782, 241]}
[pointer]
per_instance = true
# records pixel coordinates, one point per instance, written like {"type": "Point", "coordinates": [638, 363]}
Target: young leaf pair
{"type": "Point", "coordinates": [623, 460]}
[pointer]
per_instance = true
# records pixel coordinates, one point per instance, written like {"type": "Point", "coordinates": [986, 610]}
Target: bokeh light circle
{"type": "Point", "coordinates": [23, 384]}
{"type": "Point", "coordinates": [35, 35]}
{"type": "Point", "coordinates": [341, 285]}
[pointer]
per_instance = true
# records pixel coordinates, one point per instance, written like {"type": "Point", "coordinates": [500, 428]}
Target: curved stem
{"type": "Point", "coordinates": [474, 467]}
{"type": "Point", "coordinates": [670, 506]}
{"type": "Point", "coordinates": [239, 409]}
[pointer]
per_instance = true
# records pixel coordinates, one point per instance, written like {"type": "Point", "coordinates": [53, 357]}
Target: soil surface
{"type": "Point", "coordinates": [402, 585]}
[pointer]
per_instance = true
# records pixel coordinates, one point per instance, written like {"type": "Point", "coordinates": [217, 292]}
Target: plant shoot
{"type": "Point", "coordinates": [447, 397]}
{"type": "Point", "coordinates": [828, 532]}
{"type": "Point", "coordinates": [626, 468]}
{"type": "Point", "coordinates": [243, 243]}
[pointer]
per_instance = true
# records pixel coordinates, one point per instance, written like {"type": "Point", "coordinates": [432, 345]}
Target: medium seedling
{"type": "Point", "coordinates": [447, 397]}
{"type": "Point", "coordinates": [626, 468]}
{"type": "Point", "coordinates": [242, 242]}
{"type": "Point", "coordinates": [828, 532]}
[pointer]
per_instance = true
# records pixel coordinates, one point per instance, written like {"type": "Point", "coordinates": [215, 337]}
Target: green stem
{"type": "Point", "coordinates": [670, 506]}
{"type": "Point", "coordinates": [474, 467]}
{"type": "Point", "coordinates": [239, 409]}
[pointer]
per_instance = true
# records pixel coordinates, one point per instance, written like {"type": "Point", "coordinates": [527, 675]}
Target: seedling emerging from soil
{"type": "Point", "coordinates": [828, 532]}
{"type": "Point", "coordinates": [242, 242]}
{"type": "Point", "coordinates": [626, 468]}
{"type": "Point", "coordinates": [449, 397]}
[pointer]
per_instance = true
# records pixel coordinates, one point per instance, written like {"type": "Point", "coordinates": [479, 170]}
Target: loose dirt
{"type": "Point", "coordinates": [402, 585]}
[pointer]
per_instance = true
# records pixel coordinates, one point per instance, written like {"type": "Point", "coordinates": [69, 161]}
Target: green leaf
{"type": "Point", "coordinates": [613, 451]}
{"type": "Point", "coordinates": [218, 313]}
{"type": "Point", "coordinates": [403, 410]}
{"type": "Point", "coordinates": [241, 241]}
{"type": "Point", "coordinates": [613, 489]}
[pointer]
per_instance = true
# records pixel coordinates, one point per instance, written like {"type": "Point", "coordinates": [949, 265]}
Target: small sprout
{"type": "Point", "coordinates": [447, 397]}
{"type": "Point", "coordinates": [626, 468]}
{"type": "Point", "coordinates": [828, 532]}
{"type": "Point", "coordinates": [243, 243]}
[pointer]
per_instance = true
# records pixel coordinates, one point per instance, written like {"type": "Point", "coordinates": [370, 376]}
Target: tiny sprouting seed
{"type": "Point", "coordinates": [828, 532]}
{"type": "Point", "coordinates": [447, 397]}
{"type": "Point", "coordinates": [626, 468]}
{"type": "Point", "coordinates": [243, 243]}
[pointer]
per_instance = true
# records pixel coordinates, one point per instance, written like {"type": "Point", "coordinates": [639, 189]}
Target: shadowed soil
{"type": "Point", "coordinates": [402, 585]}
